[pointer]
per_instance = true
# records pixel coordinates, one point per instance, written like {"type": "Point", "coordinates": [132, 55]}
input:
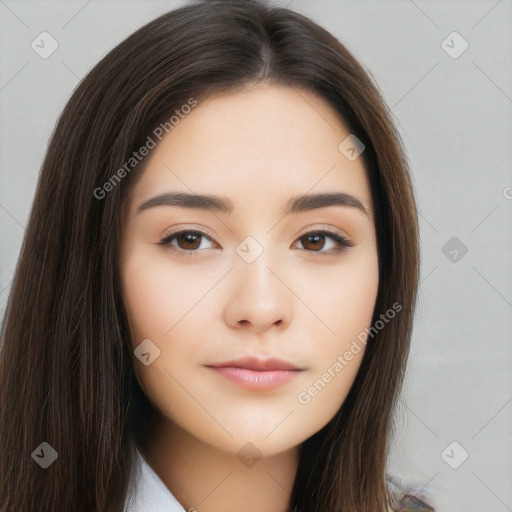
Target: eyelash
{"type": "Point", "coordinates": [343, 243]}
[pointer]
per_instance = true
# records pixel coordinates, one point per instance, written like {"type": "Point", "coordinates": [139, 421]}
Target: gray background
{"type": "Point", "coordinates": [455, 118]}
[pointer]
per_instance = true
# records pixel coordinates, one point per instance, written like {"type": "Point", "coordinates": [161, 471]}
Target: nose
{"type": "Point", "coordinates": [258, 297]}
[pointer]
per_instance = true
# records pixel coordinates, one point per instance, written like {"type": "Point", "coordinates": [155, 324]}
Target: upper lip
{"type": "Point", "coordinates": [260, 364]}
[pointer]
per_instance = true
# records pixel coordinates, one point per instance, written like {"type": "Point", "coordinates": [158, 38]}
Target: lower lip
{"type": "Point", "coordinates": [254, 379]}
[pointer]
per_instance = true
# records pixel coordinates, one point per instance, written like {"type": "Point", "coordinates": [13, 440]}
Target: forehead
{"type": "Point", "coordinates": [265, 143]}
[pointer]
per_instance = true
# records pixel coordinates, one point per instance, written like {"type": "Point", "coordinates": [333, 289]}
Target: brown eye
{"type": "Point", "coordinates": [187, 242]}
{"type": "Point", "coordinates": [315, 242]}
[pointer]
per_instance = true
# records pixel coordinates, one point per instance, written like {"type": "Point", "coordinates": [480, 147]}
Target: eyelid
{"type": "Point", "coordinates": [173, 231]}
{"type": "Point", "coordinates": [325, 228]}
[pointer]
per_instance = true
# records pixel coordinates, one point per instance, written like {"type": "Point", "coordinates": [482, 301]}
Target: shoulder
{"type": "Point", "coordinates": [410, 502]}
{"type": "Point", "coordinates": [406, 497]}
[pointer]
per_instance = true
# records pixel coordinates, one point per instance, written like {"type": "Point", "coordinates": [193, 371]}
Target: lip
{"type": "Point", "coordinates": [258, 364]}
{"type": "Point", "coordinates": [257, 374]}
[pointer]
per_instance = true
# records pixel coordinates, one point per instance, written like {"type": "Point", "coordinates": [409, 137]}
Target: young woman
{"type": "Point", "coordinates": [213, 303]}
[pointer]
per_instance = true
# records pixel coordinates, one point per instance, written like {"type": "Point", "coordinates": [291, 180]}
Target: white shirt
{"type": "Point", "coordinates": [147, 492]}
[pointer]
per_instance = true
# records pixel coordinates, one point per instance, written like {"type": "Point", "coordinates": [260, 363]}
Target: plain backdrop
{"type": "Point", "coordinates": [444, 67]}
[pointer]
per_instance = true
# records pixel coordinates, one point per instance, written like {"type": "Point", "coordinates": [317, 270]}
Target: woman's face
{"type": "Point", "coordinates": [248, 276]}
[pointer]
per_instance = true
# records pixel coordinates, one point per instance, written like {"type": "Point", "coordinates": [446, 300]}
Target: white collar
{"type": "Point", "coordinates": [147, 492]}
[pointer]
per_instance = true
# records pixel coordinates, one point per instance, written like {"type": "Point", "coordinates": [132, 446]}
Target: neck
{"type": "Point", "coordinates": [206, 479]}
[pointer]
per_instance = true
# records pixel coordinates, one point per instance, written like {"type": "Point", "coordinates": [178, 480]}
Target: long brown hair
{"type": "Point", "coordinates": [66, 375]}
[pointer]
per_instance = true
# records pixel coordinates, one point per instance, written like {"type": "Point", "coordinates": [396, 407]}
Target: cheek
{"type": "Point", "coordinates": [355, 302]}
{"type": "Point", "coordinates": [156, 295]}
{"type": "Point", "coordinates": [342, 298]}
{"type": "Point", "coordinates": [348, 301]}
{"type": "Point", "coordinates": [156, 304]}
{"type": "Point", "coordinates": [163, 304]}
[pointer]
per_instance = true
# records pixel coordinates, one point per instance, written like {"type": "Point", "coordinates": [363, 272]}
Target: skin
{"type": "Point", "coordinates": [299, 300]}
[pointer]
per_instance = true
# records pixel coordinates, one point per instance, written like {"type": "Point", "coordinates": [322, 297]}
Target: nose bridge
{"type": "Point", "coordinates": [258, 295]}
{"type": "Point", "coordinates": [255, 272]}
{"type": "Point", "coordinates": [256, 255]}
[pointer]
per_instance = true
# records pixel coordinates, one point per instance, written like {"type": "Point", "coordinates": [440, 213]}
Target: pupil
{"type": "Point", "coordinates": [190, 238]}
{"type": "Point", "coordinates": [316, 239]}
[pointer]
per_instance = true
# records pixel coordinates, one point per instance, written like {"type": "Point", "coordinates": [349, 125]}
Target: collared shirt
{"type": "Point", "coordinates": [147, 492]}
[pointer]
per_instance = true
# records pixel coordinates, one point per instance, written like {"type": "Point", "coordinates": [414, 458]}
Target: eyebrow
{"type": "Point", "coordinates": [295, 204]}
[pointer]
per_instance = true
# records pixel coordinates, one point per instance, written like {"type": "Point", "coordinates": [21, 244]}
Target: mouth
{"type": "Point", "coordinates": [257, 374]}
